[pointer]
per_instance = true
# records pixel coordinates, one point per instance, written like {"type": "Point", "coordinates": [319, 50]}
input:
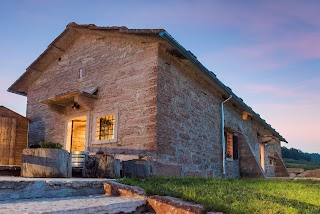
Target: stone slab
{"type": "Point", "coordinates": [311, 173]}
{"type": "Point", "coordinates": [72, 205]}
{"type": "Point", "coordinates": [295, 170]}
{"type": "Point", "coordinates": [166, 204]}
{"type": "Point", "coordinates": [46, 163]}
{"type": "Point", "coordinates": [118, 189]}
{"type": "Point", "coordinates": [13, 188]}
{"type": "Point", "coordinates": [159, 204]}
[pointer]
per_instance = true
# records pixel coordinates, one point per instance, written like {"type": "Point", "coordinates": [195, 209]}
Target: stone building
{"type": "Point", "coordinates": [137, 93]}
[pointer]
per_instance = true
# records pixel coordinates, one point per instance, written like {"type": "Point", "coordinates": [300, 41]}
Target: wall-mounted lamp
{"type": "Point", "coordinates": [75, 105]}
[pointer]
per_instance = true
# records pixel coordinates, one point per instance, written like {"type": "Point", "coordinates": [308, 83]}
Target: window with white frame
{"type": "Point", "coordinates": [80, 73]}
{"type": "Point", "coordinates": [105, 127]}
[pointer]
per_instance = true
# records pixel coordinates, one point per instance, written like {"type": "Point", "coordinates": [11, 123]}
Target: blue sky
{"type": "Point", "coordinates": [268, 52]}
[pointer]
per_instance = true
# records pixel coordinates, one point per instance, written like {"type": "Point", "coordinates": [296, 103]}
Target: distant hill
{"type": "Point", "coordinates": [295, 158]}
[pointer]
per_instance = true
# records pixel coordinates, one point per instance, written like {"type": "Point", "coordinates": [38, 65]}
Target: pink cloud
{"type": "Point", "coordinates": [254, 17]}
{"type": "Point", "coordinates": [268, 15]}
{"type": "Point", "coordinates": [265, 55]}
{"type": "Point", "coordinates": [310, 84]}
{"type": "Point", "coordinates": [296, 47]}
{"type": "Point", "coordinates": [296, 95]}
{"type": "Point", "coordinates": [298, 123]}
{"type": "Point", "coordinates": [280, 32]}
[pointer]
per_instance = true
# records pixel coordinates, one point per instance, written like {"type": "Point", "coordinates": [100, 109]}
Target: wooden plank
{"type": "Point", "coordinates": [57, 108]}
{"type": "Point", "coordinates": [5, 157]}
{"type": "Point", "coordinates": [85, 102]}
{"type": "Point", "coordinates": [1, 140]}
{"type": "Point", "coordinates": [7, 140]}
{"type": "Point", "coordinates": [12, 139]}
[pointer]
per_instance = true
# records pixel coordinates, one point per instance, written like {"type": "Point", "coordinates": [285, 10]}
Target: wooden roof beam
{"type": "Point", "coordinates": [245, 115]}
{"type": "Point", "coordinates": [268, 139]}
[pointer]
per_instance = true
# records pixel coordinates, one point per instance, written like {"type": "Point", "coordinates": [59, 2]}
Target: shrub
{"type": "Point", "coordinates": [44, 144]}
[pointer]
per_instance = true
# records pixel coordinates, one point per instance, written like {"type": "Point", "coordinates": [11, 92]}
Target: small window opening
{"type": "Point", "coordinates": [271, 162]}
{"type": "Point", "coordinates": [80, 73]}
{"type": "Point", "coordinates": [59, 59]}
{"type": "Point", "coordinates": [231, 145]}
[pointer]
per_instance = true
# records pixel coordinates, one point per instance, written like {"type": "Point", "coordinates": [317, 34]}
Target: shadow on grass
{"type": "Point", "coordinates": [299, 205]}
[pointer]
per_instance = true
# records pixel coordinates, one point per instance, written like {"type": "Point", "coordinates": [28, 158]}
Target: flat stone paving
{"type": "Point", "coordinates": [79, 204]}
{"type": "Point", "coordinates": [12, 178]}
{"type": "Point", "coordinates": [72, 205]}
{"type": "Point", "coordinates": [16, 188]}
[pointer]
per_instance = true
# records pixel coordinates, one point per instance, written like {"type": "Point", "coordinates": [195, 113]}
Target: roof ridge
{"type": "Point", "coordinates": [122, 29]}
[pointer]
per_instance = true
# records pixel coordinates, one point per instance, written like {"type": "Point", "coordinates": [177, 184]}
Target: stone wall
{"type": "Point", "coordinates": [188, 122]}
{"type": "Point", "coordinates": [250, 130]}
{"type": "Point", "coordinates": [124, 70]}
{"type": "Point", "coordinates": [189, 125]}
{"type": "Point", "coordinates": [249, 164]}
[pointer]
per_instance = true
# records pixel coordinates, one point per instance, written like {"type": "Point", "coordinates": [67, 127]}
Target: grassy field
{"type": "Point", "coordinates": [307, 165]}
{"type": "Point", "coordinates": [238, 196]}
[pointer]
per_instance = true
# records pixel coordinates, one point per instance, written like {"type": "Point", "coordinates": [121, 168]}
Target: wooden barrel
{"type": "Point", "coordinates": [78, 159]}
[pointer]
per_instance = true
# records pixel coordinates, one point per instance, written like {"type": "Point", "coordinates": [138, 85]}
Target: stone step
{"type": "Point", "coordinates": [13, 188]}
{"type": "Point", "coordinates": [72, 205]}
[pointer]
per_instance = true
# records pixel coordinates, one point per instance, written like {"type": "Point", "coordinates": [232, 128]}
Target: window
{"type": "Point", "coordinates": [105, 127]}
{"type": "Point", "coordinates": [231, 145]}
{"type": "Point", "coordinates": [270, 162]}
{"type": "Point", "coordinates": [80, 73]}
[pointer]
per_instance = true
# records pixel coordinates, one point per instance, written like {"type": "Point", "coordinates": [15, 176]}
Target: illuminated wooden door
{"type": "Point", "coordinates": [76, 134]}
{"type": "Point", "coordinates": [7, 140]}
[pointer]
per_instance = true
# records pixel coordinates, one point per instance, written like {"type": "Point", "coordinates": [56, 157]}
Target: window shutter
{"type": "Point", "coordinates": [235, 147]}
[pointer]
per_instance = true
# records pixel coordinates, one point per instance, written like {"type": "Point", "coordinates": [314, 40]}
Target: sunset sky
{"type": "Point", "coordinates": [268, 52]}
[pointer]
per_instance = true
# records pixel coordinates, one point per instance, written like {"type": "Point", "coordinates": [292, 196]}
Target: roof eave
{"type": "Point", "coordinates": [167, 37]}
{"type": "Point", "coordinates": [16, 92]}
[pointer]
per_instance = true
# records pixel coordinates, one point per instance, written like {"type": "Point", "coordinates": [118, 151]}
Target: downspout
{"type": "Point", "coordinates": [223, 138]}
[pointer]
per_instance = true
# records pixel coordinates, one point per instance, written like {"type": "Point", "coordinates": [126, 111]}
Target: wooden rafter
{"type": "Point", "coordinates": [61, 102]}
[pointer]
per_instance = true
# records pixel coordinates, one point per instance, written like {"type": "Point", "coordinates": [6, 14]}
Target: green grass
{"type": "Point", "coordinates": [238, 196]}
{"type": "Point", "coordinates": [307, 165]}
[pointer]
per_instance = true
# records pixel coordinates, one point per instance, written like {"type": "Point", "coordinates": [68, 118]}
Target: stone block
{"type": "Point", "coordinates": [166, 204]}
{"type": "Point", "coordinates": [136, 168]}
{"type": "Point", "coordinates": [46, 163]}
{"type": "Point", "coordinates": [311, 173]}
{"type": "Point", "coordinates": [162, 169]}
{"type": "Point", "coordinates": [117, 189]}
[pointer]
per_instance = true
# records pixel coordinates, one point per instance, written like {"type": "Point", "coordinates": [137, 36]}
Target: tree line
{"type": "Point", "coordinates": [297, 154]}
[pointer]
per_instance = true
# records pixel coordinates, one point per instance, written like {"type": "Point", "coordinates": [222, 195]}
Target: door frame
{"type": "Point", "coordinates": [67, 138]}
